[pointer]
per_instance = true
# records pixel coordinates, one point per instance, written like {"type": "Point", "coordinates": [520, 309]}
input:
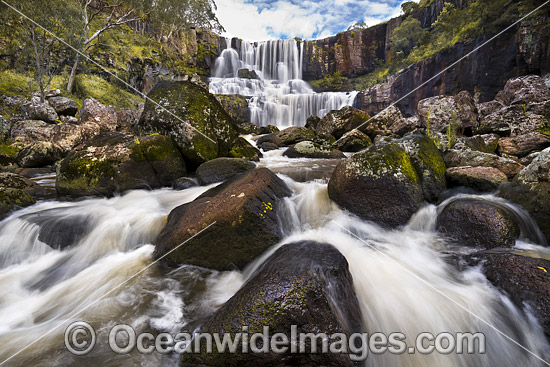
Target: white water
{"type": "Point", "coordinates": [278, 96]}
{"type": "Point", "coordinates": [42, 288]}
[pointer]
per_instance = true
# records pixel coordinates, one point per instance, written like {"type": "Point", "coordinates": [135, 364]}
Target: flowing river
{"type": "Point", "coordinates": [398, 276]}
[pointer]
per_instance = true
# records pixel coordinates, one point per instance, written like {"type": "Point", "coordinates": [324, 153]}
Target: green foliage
{"type": "Point", "coordinates": [12, 83]}
{"type": "Point", "coordinates": [331, 82]}
{"type": "Point", "coordinates": [409, 7]}
{"type": "Point", "coordinates": [407, 36]}
{"type": "Point", "coordinates": [105, 92]}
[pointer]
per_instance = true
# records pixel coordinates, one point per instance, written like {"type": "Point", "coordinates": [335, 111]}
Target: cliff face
{"type": "Point", "coordinates": [359, 51]}
{"type": "Point", "coordinates": [522, 50]}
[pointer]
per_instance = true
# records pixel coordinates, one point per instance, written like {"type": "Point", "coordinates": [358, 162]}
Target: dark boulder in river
{"type": "Point", "coordinates": [387, 182]}
{"type": "Point", "coordinates": [478, 223]}
{"type": "Point", "coordinates": [221, 169]}
{"type": "Point", "coordinates": [306, 284]}
{"type": "Point", "coordinates": [526, 280]}
{"type": "Point", "coordinates": [245, 209]}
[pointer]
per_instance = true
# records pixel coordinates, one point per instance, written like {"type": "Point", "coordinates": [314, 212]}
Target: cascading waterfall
{"type": "Point", "coordinates": [270, 74]}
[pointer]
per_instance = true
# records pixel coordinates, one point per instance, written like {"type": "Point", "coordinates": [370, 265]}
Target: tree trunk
{"type": "Point", "coordinates": [39, 70]}
{"type": "Point", "coordinates": [72, 78]}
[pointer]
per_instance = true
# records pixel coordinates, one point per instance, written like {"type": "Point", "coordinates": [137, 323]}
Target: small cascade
{"type": "Point", "coordinates": [270, 73]}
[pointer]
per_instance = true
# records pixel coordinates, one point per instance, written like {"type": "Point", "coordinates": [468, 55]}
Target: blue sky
{"type": "Point", "coordinates": [268, 19]}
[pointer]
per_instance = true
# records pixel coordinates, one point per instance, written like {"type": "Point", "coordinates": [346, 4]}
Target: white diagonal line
{"type": "Point", "coordinates": [450, 66]}
{"type": "Point", "coordinates": [443, 294]}
{"type": "Point", "coordinates": [105, 295]}
{"type": "Point", "coordinates": [107, 71]}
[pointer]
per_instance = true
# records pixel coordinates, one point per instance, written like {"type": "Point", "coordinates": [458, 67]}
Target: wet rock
{"type": "Point", "coordinates": [478, 178]}
{"type": "Point", "coordinates": [183, 183]}
{"type": "Point", "coordinates": [379, 184]}
{"type": "Point", "coordinates": [459, 158]}
{"type": "Point", "coordinates": [522, 145]}
{"type": "Point", "coordinates": [116, 162]}
{"type": "Point", "coordinates": [203, 129]}
{"type": "Point", "coordinates": [337, 123]}
{"type": "Point", "coordinates": [287, 137]}
{"type": "Point", "coordinates": [312, 122]}
{"type": "Point", "coordinates": [486, 143]}
{"type": "Point", "coordinates": [39, 154]}
{"type": "Point", "coordinates": [248, 128]}
{"type": "Point", "coordinates": [245, 211]}
{"type": "Point", "coordinates": [526, 280]}
{"type": "Point", "coordinates": [305, 284]}
{"type": "Point", "coordinates": [39, 111]}
{"type": "Point", "coordinates": [308, 149]}
{"type": "Point", "coordinates": [63, 106]}
{"type": "Point", "coordinates": [477, 223]}
{"type": "Point", "coordinates": [16, 192]}
{"type": "Point", "coordinates": [221, 169]}
{"type": "Point", "coordinates": [353, 141]}
{"type": "Point", "coordinates": [523, 90]}
{"type": "Point", "coordinates": [268, 129]}
{"type": "Point", "coordinates": [247, 74]}
{"type": "Point", "coordinates": [241, 148]}
{"type": "Point", "coordinates": [267, 146]}
{"type": "Point", "coordinates": [531, 190]}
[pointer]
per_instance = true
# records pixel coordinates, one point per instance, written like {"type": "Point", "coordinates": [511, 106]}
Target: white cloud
{"type": "Point", "coordinates": [262, 20]}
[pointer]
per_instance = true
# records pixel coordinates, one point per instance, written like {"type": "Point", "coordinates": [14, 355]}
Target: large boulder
{"type": "Point", "coordinates": [221, 169]}
{"type": "Point", "coordinates": [337, 123]}
{"type": "Point", "coordinates": [437, 113]}
{"type": "Point", "coordinates": [39, 111]}
{"type": "Point", "coordinates": [387, 122]}
{"type": "Point", "coordinates": [522, 145]}
{"type": "Point", "coordinates": [15, 192]}
{"type": "Point", "coordinates": [116, 162]}
{"type": "Point", "coordinates": [306, 284]}
{"type": "Point", "coordinates": [39, 154]}
{"type": "Point", "coordinates": [477, 178]}
{"type": "Point", "coordinates": [531, 190]}
{"type": "Point", "coordinates": [241, 148]}
{"type": "Point", "coordinates": [526, 280]}
{"type": "Point", "coordinates": [236, 106]}
{"type": "Point", "coordinates": [29, 131]}
{"type": "Point", "coordinates": [473, 158]}
{"type": "Point", "coordinates": [308, 149]}
{"type": "Point", "coordinates": [245, 212]}
{"type": "Point", "coordinates": [486, 143]}
{"type": "Point", "coordinates": [287, 137]}
{"type": "Point", "coordinates": [511, 121]}
{"type": "Point", "coordinates": [63, 106]}
{"type": "Point", "coordinates": [379, 184]}
{"type": "Point", "coordinates": [94, 111]}
{"type": "Point", "coordinates": [353, 141]}
{"type": "Point", "coordinates": [477, 223]}
{"type": "Point", "coordinates": [192, 117]}
{"type": "Point", "coordinates": [524, 90]}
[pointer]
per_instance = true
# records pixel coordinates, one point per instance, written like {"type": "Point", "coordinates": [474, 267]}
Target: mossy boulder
{"type": "Point", "coordinates": [486, 143]}
{"type": "Point", "coordinates": [526, 280]}
{"type": "Point", "coordinates": [116, 162]}
{"type": "Point", "coordinates": [531, 190]}
{"type": "Point", "coordinates": [268, 129]}
{"type": "Point", "coordinates": [428, 163]}
{"type": "Point", "coordinates": [245, 211]}
{"type": "Point", "coordinates": [309, 149]}
{"type": "Point", "coordinates": [337, 123]}
{"type": "Point", "coordinates": [353, 141]}
{"type": "Point", "coordinates": [248, 128]}
{"type": "Point", "coordinates": [39, 154]}
{"type": "Point", "coordinates": [307, 284]}
{"type": "Point", "coordinates": [16, 192]}
{"type": "Point", "coordinates": [192, 117]}
{"type": "Point", "coordinates": [379, 184]}
{"type": "Point", "coordinates": [241, 148]}
{"type": "Point", "coordinates": [221, 169]}
{"type": "Point", "coordinates": [236, 106]}
{"type": "Point", "coordinates": [477, 223]}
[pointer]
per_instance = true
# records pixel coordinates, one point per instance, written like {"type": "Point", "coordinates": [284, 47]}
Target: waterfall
{"type": "Point", "coordinates": [270, 74]}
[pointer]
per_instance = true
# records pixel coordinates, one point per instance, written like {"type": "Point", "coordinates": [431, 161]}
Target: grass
{"type": "Point", "coordinates": [94, 86]}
